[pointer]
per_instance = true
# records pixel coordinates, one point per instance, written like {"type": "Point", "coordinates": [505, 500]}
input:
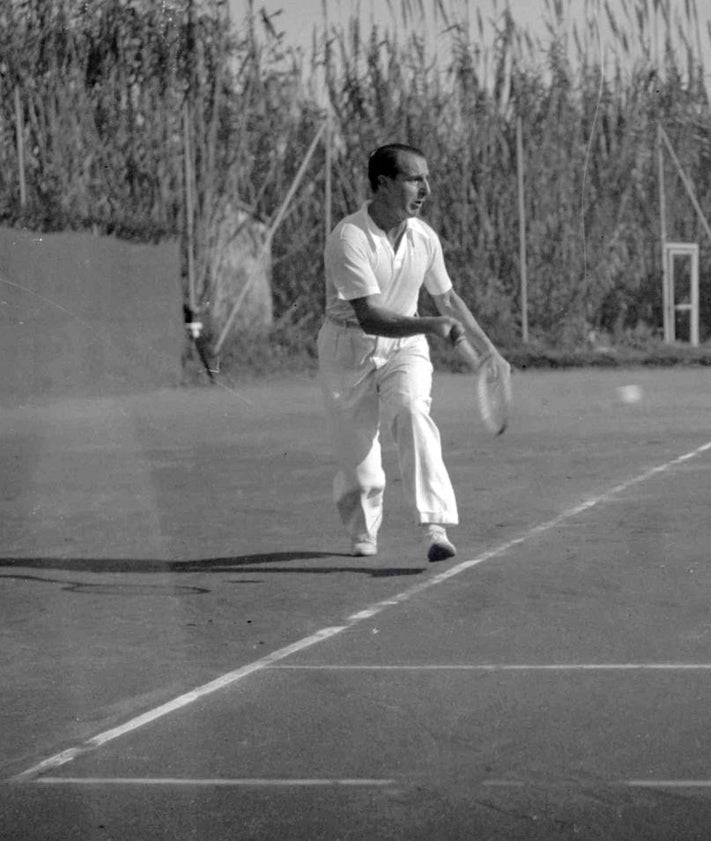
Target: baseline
{"type": "Point", "coordinates": [218, 782]}
{"type": "Point", "coordinates": [498, 667]}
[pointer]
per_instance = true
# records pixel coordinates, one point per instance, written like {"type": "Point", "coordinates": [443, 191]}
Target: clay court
{"type": "Point", "coordinates": [189, 653]}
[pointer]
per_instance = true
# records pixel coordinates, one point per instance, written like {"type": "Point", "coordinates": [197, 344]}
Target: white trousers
{"type": "Point", "coordinates": [364, 378]}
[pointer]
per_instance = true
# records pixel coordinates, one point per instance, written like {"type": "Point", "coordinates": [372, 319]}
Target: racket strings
{"type": "Point", "coordinates": [494, 398]}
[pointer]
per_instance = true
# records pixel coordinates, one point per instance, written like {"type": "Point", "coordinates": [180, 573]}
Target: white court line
{"type": "Point", "coordinates": [263, 663]}
{"type": "Point", "coordinates": [668, 783]}
{"type": "Point", "coordinates": [501, 667]}
{"type": "Point", "coordinates": [503, 784]}
{"type": "Point", "coordinates": [217, 782]}
{"type": "Point", "coordinates": [257, 782]}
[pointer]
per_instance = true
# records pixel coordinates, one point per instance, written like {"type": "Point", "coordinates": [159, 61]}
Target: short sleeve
{"type": "Point", "coordinates": [348, 263]}
{"type": "Point", "coordinates": [437, 280]}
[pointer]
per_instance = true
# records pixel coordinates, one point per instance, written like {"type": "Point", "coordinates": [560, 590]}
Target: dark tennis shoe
{"type": "Point", "coordinates": [441, 550]}
{"type": "Point", "coordinates": [441, 547]}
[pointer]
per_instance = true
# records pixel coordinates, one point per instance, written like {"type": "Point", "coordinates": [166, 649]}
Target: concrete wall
{"type": "Point", "coordinates": [86, 315]}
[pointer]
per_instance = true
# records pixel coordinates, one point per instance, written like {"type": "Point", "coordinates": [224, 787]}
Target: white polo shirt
{"type": "Point", "coordinates": [360, 261]}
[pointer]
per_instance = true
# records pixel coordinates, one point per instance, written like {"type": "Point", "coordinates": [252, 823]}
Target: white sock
{"type": "Point", "coordinates": [435, 532]}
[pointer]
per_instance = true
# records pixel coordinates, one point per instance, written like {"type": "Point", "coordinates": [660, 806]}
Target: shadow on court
{"type": "Point", "coordinates": [245, 563]}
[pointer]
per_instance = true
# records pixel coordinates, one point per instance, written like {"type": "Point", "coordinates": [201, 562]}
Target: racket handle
{"type": "Point", "coordinates": [467, 354]}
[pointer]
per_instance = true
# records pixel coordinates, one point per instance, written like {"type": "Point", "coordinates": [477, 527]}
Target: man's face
{"type": "Point", "coordinates": [405, 194]}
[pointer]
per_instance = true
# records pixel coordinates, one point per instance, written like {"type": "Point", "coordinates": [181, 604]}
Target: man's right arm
{"type": "Point", "coordinates": [377, 320]}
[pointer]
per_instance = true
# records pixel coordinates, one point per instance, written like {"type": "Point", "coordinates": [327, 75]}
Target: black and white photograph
{"type": "Point", "coordinates": [355, 420]}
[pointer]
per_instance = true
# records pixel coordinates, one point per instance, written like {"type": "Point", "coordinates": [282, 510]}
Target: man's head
{"type": "Point", "coordinates": [399, 178]}
{"type": "Point", "coordinates": [386, 161]}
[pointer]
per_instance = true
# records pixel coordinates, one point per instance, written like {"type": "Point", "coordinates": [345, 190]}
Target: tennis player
{"type": "Point", "coordinates": [374, 356]}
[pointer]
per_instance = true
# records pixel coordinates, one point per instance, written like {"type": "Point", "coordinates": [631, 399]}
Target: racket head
{"type": "Point", "coordinates": [494, 396]}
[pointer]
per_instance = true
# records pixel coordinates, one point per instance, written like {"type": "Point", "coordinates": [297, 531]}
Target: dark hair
{"type": "Point", "coordinates": [385, 161]}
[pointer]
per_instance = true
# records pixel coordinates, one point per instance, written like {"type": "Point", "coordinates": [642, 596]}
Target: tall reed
{"type": "Point", "coordinates": [104, 86]}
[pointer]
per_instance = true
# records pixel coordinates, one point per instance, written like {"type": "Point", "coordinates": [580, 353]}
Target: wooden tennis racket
{"type": "Point", "coordinates": [493, 376]}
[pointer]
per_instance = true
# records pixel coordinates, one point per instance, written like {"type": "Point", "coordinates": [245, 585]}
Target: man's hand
{"type": "Point", "coordinates": [501, 363]}
{"type": "Point", "coordinates": [445, 328]}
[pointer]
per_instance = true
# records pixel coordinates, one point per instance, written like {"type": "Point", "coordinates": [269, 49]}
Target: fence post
{"type": "Point", "coordinates": [189, 211]}
{"type": "Point", "coordinates": [668, 313]}
{"type": "Point", "coordinates": [19, 134]}
{"type": "Point", "coordinates": [522, 231]}
{"type": "Point", "coordinates": [328, 202]}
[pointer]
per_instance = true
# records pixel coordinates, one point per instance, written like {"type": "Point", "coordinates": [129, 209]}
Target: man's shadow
{"type": "Point", "coordinates": [263, 563]}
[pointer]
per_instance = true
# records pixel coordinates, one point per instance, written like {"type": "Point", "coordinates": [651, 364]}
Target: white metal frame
{"type": "Point", "coordinates": [671, 308]}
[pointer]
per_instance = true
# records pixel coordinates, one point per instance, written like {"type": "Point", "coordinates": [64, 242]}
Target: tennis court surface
{"type": "Point", "coordinates": [189, 653]}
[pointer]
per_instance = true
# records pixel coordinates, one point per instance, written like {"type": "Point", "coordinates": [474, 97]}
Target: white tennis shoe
{"type": "Point", "coordinates": [364, 547]}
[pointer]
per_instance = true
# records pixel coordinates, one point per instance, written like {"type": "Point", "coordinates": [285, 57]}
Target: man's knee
{"type": "Point", "coordinates": [366, 485]}
{"type": "Point", "coordinates": [411, 410]}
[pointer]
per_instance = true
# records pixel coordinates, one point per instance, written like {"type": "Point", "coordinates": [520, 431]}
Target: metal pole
{"type": "Point", "coordinates": [667, 302]}
{"type": "Point", "coordinates": [189, 211]}
{"type": "Point", "coordinates": [267, 240]}
{"type": "Point", "coordinates": [19, 134]}
{"type": "Point", "coordinates": [329, 181]}
{"type": "Point", "coordinates": [328, 213]}
{"type": "Point", "coordinates": [522, 231]}
{"type": "Point", "coordinates": [686, 181]}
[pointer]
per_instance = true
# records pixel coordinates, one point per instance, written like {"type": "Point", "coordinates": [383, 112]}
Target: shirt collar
{"type": "Point", "coordinates": [374, 229]}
